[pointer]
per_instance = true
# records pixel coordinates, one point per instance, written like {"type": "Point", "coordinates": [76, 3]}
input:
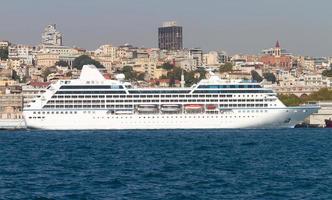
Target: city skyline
{"type": "Point", "coordinates": [236, 27]}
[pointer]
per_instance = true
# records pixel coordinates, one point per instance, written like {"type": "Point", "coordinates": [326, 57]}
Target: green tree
{"type": "Point", "coordinates": [85, 60]}
{"type": "Point", "coordinates": [128, 72]}
{"type": "Point", "coordinates": [255, 76]}
{"type": "Point", "coordinates": [270, 77]}
{"type": "Point", "coordinates": [323, 94]}
{"type": "Point", "coordinates": [189, 78]}
{"type": "Point", "coordinates": [45, 73]}
{"type": "Point", "coordinates": [131, 75]}
{"type": "Point", "coordinates": [327, 72]}
{"type": "Point", "coordinates": [3, 53]}
{"type": "Point", "coordinates": [167, 66]}
{"type": "Point", "coordinates": [15, 76]}
{"type": "Point", "coordinates": [175, 73]}
{"type": "Point", "coordinates": [227, 67]}
{"type": "Point", "coordinates": [290, 100]}
{"type": "Point", "coordinates": [61, 63]}
{"type": "Point", "coordinates": [140, 76]}
{"type": "Point", "coordinates": [201, 72]}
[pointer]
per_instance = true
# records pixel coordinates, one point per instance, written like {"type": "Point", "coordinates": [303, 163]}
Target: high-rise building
{"type": "Point", "coordinates": [170, 36]}
{"type": "Point", "coordinates": [51, 36]}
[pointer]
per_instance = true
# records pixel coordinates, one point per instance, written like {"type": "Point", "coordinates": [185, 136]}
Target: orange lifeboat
{"type": "Point", "coordinates": [211, 107]}
{"type": "Point", "coordinates": [193, 106]}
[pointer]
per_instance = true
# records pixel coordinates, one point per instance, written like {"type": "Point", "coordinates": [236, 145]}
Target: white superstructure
{"type": "Point", "coordinates": [92, 102]}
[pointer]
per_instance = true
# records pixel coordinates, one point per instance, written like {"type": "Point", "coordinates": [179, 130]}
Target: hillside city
{"type": "Point", "coordinates": [26, 71]}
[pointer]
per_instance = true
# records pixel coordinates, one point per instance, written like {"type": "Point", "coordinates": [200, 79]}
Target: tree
{"type": "Point", "coordinates": [255, 76]}
{"type": "Point", "coordinates": [85, 60]}
{"type": "Point", "coordinates": [201, 72]}
{"type": "Point", "coordinates": [167, 66]}
{"type": "Point", "coordinates": [61, 63]}
{"type": "Point", "coordinates": [270, 77]}
{"type": "Point", "coordinates": [290, 100]}
{"type": "Point", "coordinates": [190, 79]}
{"type": "Point", "coordinates": [175, 73]}
{"type": "Point", "coordinates": [131, 75]}
{"type": "Point", "coordinates": [140, 76]}
{"type": "Point", "coordinates": [15, 76]}
{"type": "Point", "coordinates": [323, 94]}
{"type": "Point", "coordinates": [227, 67]}
{"type": "Point", "coordinates": [128, 72]}
{"type": "Point", "coordinates": [327, 73]}
{"type": "Point", "coordinates": [3, 53]}
{"type": "Point", "coordinates": [45, 73]}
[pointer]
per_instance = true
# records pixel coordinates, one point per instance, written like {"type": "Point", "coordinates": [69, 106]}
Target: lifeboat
{"type": "Point", "coordinates": [170, 108]}
{"type": "Point", "coordinates": [123, 112]}
{"type": "Point", "coordinates": [193, 107]}
{"type": "Point", "coordinates": [147, 108]}
{"type": "Point", "coordinates": [211, 107]}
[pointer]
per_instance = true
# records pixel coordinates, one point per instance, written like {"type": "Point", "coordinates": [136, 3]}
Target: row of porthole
{"type": "Point", "coordinates": [171, 117]}
{"type": "Point", "coordinates": [243, 111]}
{"type": "Point", "coordinates": [56, 112]}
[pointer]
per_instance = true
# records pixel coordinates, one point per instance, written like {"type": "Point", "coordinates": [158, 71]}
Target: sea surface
{"type": "Point", "coordinates": [168, 164]}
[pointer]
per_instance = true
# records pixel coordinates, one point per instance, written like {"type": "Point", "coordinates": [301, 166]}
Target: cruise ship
{"type": "Point", "coordinates": [93, 102]}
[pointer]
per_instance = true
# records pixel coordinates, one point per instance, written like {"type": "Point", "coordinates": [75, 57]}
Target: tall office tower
{"type": "Point", "coordinates": [51, 36]}
{"type": "Point", "coordinates": [170, 36]}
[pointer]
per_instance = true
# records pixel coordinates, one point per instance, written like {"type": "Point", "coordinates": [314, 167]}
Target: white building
{"type": "Point", "coordinates": [107, 50]}
{"type": "Point", "coordinates": [51, 36]}
{"type": "Point", "coordinates": [25, 53]}
{"type": "Point", "coordinates": [211, 58]}
{"type": "Point", "coordinates": [197, 55]}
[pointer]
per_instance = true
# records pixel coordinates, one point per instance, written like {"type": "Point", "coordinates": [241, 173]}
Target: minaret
{"type": "Point", "coordinates": [277, 49]}
{"type": "Point", "coordinates": [182, 80]}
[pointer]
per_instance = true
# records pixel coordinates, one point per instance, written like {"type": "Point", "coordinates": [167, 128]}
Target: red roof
{"type": "Point", "coordinates": [39, 84]}
{"type": "Point", "coordinates": [162, 81]}
{"type": "Point", "coordinates": [107, 76]}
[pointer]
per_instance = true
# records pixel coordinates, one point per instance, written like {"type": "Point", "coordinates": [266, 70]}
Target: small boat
{"type": "Point", "coordinates": [193, 107]}
{"type": "Point", "coordinates": [123, 112]}
{"type": "Point", "coordinates": [170, 108]}
{"type": "Point", "coordinates": [211, 107]}
{"type": "Point", "coordinates": [147, 108]}
{"type": "Point", "coordinates": [328, 123]}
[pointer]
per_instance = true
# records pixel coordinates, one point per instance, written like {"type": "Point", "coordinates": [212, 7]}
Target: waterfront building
{"type": "Point", "coordinates": [11, 106]}
{"type": "Point", "coordinates": [170, 36]}
{"type": "Point", "coordinates": [325, 112]}
{"type": "Point", "coordinates": [33, 90]}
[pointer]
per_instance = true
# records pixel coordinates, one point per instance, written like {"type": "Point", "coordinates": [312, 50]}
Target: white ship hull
{"type": "Point", "coordinates": [237, 118]}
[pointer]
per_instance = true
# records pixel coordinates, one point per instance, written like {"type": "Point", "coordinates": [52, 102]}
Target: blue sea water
{"type": "Point", "coordinates": [167, 164]}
